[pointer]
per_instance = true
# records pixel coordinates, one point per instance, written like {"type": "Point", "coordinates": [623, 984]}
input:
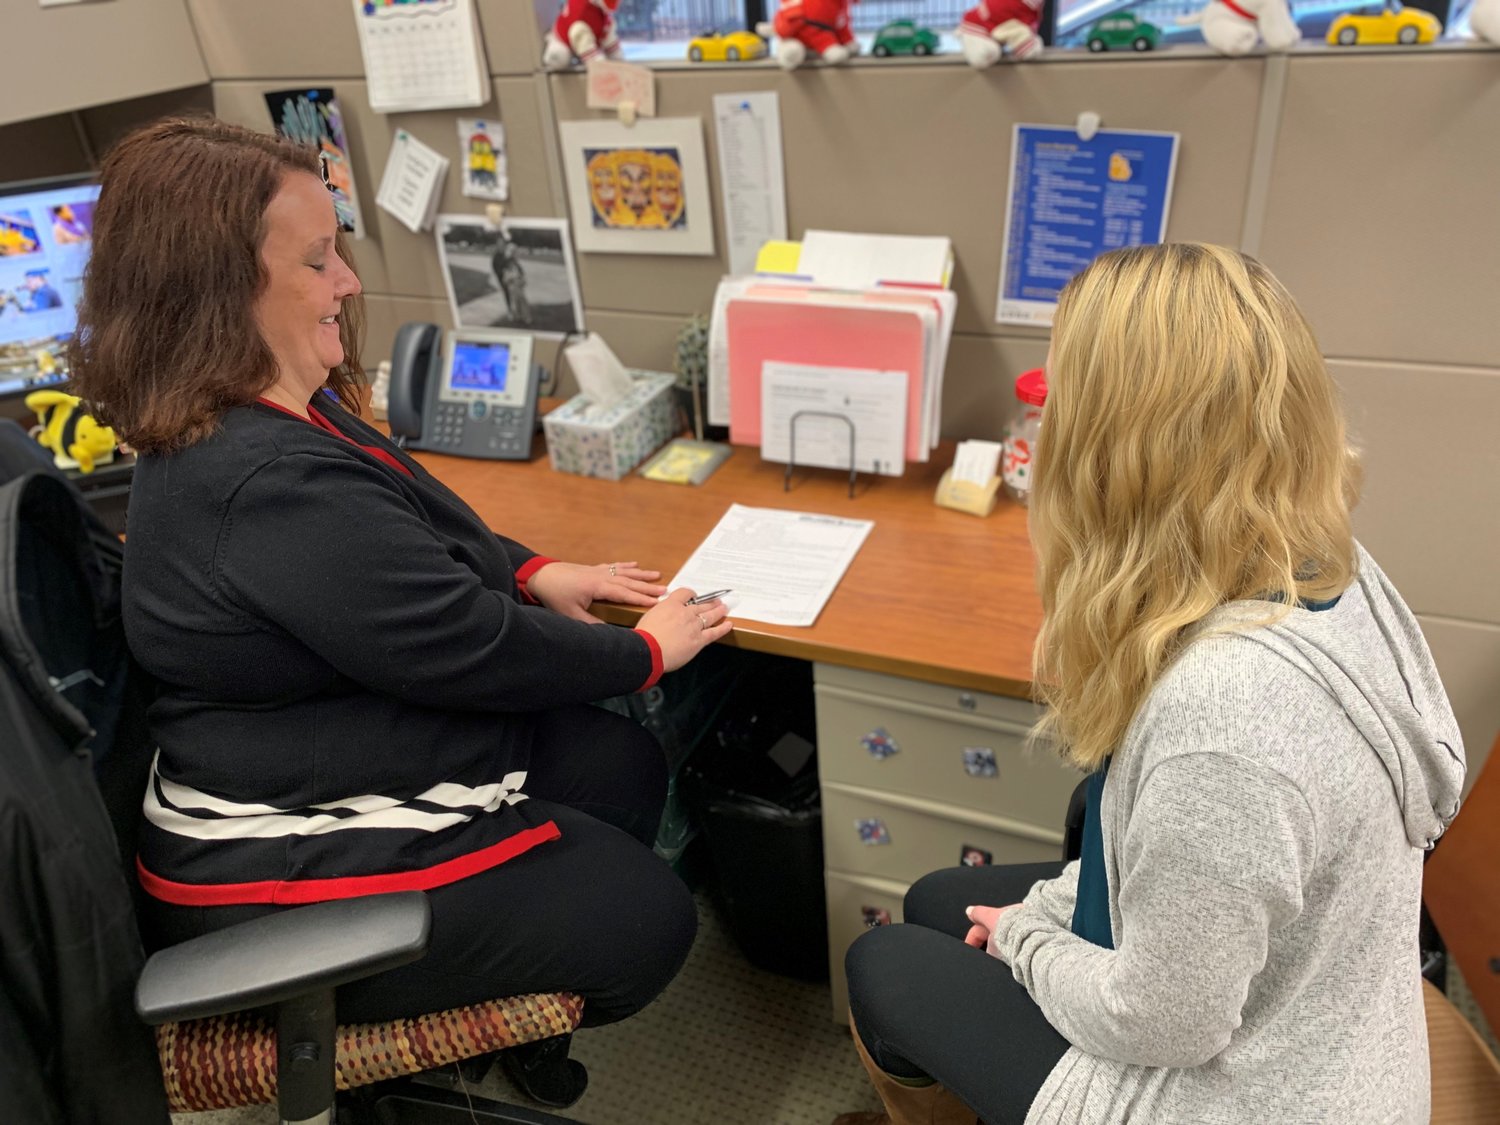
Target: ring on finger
{"type": "Point", "coordinates": [611, 570]}
{"type": "Point", "coordinates": [702, 624]}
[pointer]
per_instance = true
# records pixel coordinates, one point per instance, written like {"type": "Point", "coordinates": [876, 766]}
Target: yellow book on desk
{"type": "Point", "coordinates": [685, 461]}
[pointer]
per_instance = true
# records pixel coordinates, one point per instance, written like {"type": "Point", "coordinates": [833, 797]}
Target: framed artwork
{"type": "Point", "coordinates": [520, 276]}
{"type": "Point", "coordinates": [638, 189]}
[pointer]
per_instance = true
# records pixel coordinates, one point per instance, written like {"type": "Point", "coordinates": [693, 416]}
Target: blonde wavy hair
{"type": "Point", "coordinates": [1192, 453]}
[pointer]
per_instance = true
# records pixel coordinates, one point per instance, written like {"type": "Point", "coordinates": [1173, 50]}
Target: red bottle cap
{"type": "Point", "coordinates": [1031, 387]}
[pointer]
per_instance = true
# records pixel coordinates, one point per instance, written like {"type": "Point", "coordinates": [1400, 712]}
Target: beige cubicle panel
{"type": "Point", "coordinates": [1431, 508]}
{"type": "Point", "coordinates": [926, 150]}
{"type": "Point", "coordinates": [62, 59]}
{"type": "Point", "coordinates": [1381, 217]}
{"type": "Point", "coordinates": [979, 385]}
{"type": "Point", "coordinates": [291, 38]}
{"type": "Point", "coordinates": [278, 39]}
{"type": "Point", "coordinates": [511, 35]}
{"type": "Point", "coordinates": [384, 314]}
{"type": "Point", "coordinates": [1468, 659]}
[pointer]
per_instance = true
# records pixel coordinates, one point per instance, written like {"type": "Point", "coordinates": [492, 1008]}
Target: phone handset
{"type": "Point", "coordinates": [414, 354]}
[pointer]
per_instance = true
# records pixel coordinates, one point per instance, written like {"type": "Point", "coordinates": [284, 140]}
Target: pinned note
{"type": "Point", "coordinates": [613, 83]}
{"type": "Point", "coordinates": [412, 183]}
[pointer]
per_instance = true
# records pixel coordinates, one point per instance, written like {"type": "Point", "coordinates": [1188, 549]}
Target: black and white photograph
{"type": "Point", "coordinates": [520, 275]}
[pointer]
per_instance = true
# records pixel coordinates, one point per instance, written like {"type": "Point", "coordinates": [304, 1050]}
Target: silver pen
{"type": "Point", "coordinates": [701, 598]}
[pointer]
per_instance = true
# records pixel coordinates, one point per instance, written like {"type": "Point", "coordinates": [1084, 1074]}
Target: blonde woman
{"type": "Point", "coordinates": [1270, 750]}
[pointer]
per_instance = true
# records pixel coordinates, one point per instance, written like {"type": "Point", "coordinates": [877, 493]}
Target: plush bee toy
{"type": "Point", "coordinates": [76, 440]}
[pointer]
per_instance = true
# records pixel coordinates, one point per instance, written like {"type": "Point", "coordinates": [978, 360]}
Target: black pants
{"type": "Point", "coordinates": [596, 912]}
{"type": "Point", "coordinates": [927, 1005]}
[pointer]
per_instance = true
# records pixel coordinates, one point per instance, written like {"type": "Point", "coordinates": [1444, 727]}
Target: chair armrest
{"type": "Point", "coordinates": [283, 955]}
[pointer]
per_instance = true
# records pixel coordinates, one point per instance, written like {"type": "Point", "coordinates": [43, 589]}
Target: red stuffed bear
{"type": "Point", "coordinates": [584, 29]}
{"type": "Point", "coordinates": [995, 26]}
{"type": "Point", "coordinates": [818, 26]}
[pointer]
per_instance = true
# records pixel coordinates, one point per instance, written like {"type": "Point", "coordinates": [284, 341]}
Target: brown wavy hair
{"type": "Point", "coordinates": [1192, 453]}
{"type": "Point", "coordinates": [167, 339]}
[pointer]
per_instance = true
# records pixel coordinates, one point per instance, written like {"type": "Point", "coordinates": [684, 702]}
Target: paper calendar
{"type": "Point", "coordinates": [422, 54]}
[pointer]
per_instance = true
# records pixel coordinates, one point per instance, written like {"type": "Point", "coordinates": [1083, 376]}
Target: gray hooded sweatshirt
{"type": "Point", "coordinates": [1264, 823]}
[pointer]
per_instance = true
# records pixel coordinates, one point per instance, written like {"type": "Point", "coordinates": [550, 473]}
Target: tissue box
{"type": "Point", "coordinates": [609, 443]}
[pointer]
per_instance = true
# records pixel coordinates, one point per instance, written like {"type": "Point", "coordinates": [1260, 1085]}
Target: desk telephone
{"type": "Point", "coordinates": [471, 392]}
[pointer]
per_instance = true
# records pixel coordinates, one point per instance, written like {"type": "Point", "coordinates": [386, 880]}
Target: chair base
{"type": "Point", "coordinates": [404, 1101]}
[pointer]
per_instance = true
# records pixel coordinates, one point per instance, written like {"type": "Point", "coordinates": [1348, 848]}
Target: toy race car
{"type": "Point", "coordinates": [904, 37]}
{"type": "Point", "coordinates": [733, 46]}
{"type": "Point", "coordinates": [1121, 30]}
{"type": "Point", "coordinates": [1393, 23]}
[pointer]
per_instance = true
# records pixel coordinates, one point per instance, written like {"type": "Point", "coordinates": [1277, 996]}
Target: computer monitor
{"type": "Point", "coordinates": [46, 231]}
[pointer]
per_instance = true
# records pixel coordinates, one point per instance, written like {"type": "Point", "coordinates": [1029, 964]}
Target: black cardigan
{"type": "Point", "coordinates": [343, 649]}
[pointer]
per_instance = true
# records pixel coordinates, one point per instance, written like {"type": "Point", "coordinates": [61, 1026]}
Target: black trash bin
{"type": "Point", "coordinates": [753, 790]}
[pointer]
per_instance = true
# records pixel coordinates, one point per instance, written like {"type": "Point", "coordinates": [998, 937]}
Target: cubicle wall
{"type": "Point", "coordinates": [1365, 179]}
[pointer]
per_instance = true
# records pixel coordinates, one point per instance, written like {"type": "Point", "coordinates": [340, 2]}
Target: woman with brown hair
{"type": "Point", "coordinates": [362, 688]}
{"type": "Point", "coordinates": [1269, 746]}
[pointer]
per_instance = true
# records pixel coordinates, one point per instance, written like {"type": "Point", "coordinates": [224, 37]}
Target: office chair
{"type": "Point", "coordinates": [72, 707]}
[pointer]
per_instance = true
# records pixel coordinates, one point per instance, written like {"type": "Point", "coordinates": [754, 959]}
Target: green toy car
{"type": "Point", "coordinates": [1121, 30]}
{"type": "Point", "coordinates": [903, 37]}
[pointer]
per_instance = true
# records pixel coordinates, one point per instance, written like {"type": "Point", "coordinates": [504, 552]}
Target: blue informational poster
{"type": "Point", "coordinates": [1070, 201]}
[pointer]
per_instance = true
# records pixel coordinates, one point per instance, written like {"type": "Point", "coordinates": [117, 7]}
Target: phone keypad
{"type": "Point", "coordinates": [498, 430]}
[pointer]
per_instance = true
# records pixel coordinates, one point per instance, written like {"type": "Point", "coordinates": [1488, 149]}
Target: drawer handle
{"type": "Point", "coordinates": [1015, 729]}
{"type": "Point", "coordinates": [967, 701]}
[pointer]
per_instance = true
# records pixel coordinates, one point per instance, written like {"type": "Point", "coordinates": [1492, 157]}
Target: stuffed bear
{"type": "Point", "coordinates": [584, 29]}
{"type": "Point", "coordinates": [995, 27]}
{"type": "Point", "coordinates": [1484, 19]}
{"type": "Point", "coordinates": [817, 26]}
{"type": "Point", "coordinates": [76, 439]}
{"type": "Point", "coordinates": [1234, 27]}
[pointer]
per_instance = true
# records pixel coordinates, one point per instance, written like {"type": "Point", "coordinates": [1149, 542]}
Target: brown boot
{"type": "Point", "coordinates": [906, 1105]}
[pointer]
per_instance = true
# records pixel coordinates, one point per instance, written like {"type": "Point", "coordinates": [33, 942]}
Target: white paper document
{"type": "Point", "coordinates": [748, 130]}
{"type": "Point", "coordinates": [422, 56]}
{"type": "Point", "coordinates": [977, 461]}
{"type": "Point", "coordinates": [874, 402]}
{"type": "Point", "coordinates": [847, 260]}
{"type": "Point", "coordinates": [413, 181]}
{"type": "Point", "coordinates": [781, 566]}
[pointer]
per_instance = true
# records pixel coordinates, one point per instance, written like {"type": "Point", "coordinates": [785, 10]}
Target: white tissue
{"type": "Point", "coordinates": [602, 379]}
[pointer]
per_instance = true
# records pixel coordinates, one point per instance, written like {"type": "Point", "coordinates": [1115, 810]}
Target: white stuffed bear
{"type": "Point", "coordinates": [1234, 27]}
{"type": "Point", "coordinates": [1484, 19]}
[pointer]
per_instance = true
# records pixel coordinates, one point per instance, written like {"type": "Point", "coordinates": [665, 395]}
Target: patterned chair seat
{"type": "Point", "coordinates": [227, 1061]}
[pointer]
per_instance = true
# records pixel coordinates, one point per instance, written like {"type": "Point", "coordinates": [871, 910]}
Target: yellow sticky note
{"type": "Point", "coordinates": [778, 257]}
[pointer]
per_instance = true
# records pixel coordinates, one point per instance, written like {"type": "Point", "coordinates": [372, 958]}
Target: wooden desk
{"type": "Point", "coordinates": [926, 642]}
{"type": "Point", "coordinates": [932, 595]}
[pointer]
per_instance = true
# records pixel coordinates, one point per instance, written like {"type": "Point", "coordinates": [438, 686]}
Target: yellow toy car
{"type": "Point", "coordinates": [732, 46]}
{"type": "Point", "coordinates": [1393, 23]}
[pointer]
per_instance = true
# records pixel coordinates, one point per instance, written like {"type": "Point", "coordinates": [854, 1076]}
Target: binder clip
{"type": "Point", "coordinates": [966, 496]}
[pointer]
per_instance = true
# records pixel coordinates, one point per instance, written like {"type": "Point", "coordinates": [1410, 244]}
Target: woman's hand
{"type": "Point", "coordinates": [684, 630]}
{"type": "Point", "coordinates": [985, 919]}
{"type": "Point", "coordinates": [569, 589]}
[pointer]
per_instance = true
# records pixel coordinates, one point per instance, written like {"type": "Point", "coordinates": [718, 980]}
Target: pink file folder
{"type": "Point", "coordinates": [763, 329]}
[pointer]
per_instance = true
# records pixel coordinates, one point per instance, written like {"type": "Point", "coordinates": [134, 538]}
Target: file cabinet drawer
{"type": "Point", "coordinates": [913, 838]}
{"type": "Point", "coordinates": [970, 761]}
{"type": "Point", "coordinates": [855, 903]}
{"type": "Point", "coordinates": [960, 701]}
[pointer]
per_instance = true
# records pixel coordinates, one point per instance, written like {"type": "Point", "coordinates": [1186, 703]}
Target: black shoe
{"type": "Point", "coordinates": [543, 1072]}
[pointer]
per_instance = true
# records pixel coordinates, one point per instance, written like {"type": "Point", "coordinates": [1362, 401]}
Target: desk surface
{"type": "Point", "coordinates": [933, 594]}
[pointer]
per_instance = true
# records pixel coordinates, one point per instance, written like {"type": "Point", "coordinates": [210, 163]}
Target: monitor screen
{"type": "Point", "coordinates": [480, 366]}
{"type": "Point", "coordinates": [46, 229]}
